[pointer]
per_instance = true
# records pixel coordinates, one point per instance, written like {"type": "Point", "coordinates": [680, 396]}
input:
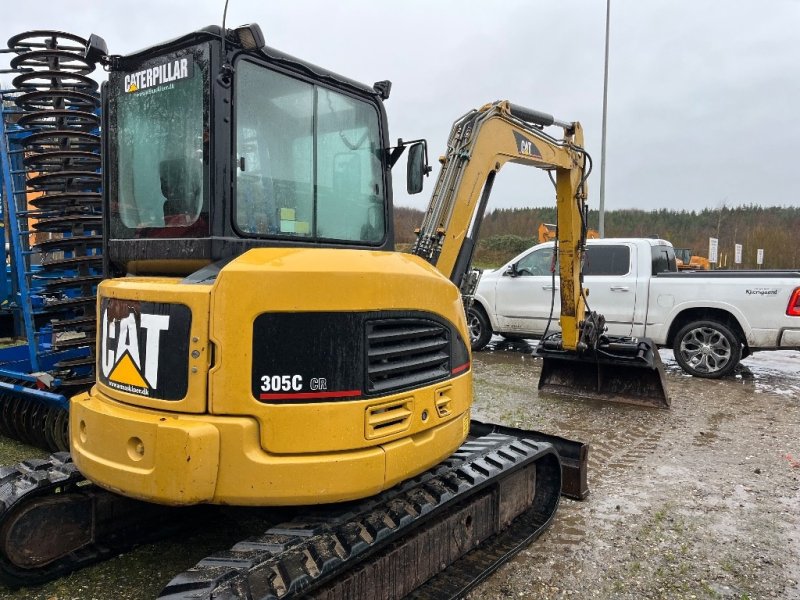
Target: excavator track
{"type": "Point", "coordinates": [53, 521]}
{"type": "Point", "coordinates": [498, 492]}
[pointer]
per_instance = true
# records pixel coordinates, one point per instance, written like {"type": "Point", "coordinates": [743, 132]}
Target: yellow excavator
{"type": "Point", "coordinates": [548, 232]}
{"type": "Point", "coordinates": [686, 261]}
{"type": "Point", "coordinates": [261, 343]}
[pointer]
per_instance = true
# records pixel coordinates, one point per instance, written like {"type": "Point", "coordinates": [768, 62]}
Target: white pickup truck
{"type": "Point", "coordinates": [711, 319]}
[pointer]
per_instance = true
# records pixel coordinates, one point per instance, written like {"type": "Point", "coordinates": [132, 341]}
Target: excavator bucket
{"type": "Point", "coordinates": [624, 370]}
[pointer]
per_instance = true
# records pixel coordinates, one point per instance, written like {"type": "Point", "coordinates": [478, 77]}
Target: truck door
{"type": "Point", "coordinates": [610, 275]}
{"type": "Point", "coordinates": [522, 300]}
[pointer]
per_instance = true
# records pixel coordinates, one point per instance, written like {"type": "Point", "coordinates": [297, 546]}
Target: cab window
{"type": "Point", "coordinates": [309, 160]}
{"type": "Point", "coordinates": [598, 260]}
{"type": "Point", "coordinates": [664, 260]}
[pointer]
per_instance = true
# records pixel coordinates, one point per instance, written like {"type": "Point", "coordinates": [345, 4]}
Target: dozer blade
{"type": "Point", "coordinates": [627, 370]}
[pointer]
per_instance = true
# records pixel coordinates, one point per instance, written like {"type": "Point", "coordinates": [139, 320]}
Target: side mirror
{"type": "Point", "coordinates": [511, 271]}
{"type": "Point", "coordinates": [417, 167]}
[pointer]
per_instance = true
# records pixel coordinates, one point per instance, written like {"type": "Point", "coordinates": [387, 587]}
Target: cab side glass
{"type": "Point", "coordinates": [416, 168]}
{"type": "Point", "coordinates": [664, 260]}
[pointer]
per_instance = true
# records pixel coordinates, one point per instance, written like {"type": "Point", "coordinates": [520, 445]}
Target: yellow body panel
{"type": "Point", "coordinates": [293, 280]}
{"type": "Point", "coordinates": [188, 459]}
{"type": "Point", "coordinates": [220, 444]}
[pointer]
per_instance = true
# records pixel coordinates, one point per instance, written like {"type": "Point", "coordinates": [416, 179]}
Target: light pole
{"type": "Point", "coordinates": [603, 142]}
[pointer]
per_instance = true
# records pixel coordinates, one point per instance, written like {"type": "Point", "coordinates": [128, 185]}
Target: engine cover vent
{"type": "Point", "coordinates": [405, 352]}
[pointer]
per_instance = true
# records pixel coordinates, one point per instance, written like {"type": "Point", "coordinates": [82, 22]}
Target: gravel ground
{"type": "Point", "coordinates": [701, 501]}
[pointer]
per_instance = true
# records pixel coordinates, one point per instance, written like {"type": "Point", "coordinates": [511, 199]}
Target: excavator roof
{"type": "Point", "coordinates": [272, 54]}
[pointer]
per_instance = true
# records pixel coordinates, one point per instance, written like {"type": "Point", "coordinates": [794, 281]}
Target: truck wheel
{"type": "Point", "coordinates": [707, 349]}
{"type": "Point", "coordinates": [480, 330]}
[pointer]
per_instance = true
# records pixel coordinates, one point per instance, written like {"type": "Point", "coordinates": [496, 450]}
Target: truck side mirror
{"type": "Point", "coordinates": [417, 167]}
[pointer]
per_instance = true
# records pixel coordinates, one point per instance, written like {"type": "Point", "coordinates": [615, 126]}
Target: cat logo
{"type": "Point", "coordinates": [129, 367]}
{"type": "Point", "coordinates": [526, 147]}
{"type": "Point", "coordinates": [144, 347]}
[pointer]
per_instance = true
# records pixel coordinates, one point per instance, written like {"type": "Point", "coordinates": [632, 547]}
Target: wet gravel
{"type": "Point", "coordinates": [700, 501]}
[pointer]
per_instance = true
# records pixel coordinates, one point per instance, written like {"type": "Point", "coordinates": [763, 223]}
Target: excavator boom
{"type": "Point", "coordinates": [579, 360]}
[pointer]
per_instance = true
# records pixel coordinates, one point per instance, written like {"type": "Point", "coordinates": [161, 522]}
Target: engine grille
{"type": "Point", "coordinates": [405, 352]}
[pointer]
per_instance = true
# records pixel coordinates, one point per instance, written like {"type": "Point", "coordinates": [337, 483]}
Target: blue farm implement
{"type": "Point", "coordinates": [52, 222]}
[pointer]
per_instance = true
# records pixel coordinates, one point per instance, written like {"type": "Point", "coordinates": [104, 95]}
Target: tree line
{"type": "Point", "coordinates": [506, 232]}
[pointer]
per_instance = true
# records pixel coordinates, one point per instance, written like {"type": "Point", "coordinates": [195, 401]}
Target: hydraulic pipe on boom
{"type": "Point", "coordinates": [578, 360]}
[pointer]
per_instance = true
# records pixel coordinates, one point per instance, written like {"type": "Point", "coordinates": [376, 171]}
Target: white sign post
{"type": "Point", "coordinates": [737, 256]}
{"type": "Point", "coordinates": [760, 257]}
{"type": "Point", "coordinates": [713, 246]}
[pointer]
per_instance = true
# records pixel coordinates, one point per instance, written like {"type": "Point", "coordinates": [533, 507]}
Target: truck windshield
{"type": "Point", "coordinates": [309, 160]}
{"type": "Point", "coordinates": [159, 148]}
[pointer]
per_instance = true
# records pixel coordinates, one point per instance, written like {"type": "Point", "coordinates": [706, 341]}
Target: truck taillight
{"type": "Point", "coordinates": [793, 309]}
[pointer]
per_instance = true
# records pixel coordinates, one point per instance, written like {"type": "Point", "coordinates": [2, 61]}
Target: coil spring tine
{"type": "Point", "coordinates": [5, 430]}
{"type": "Point", "coordinates": [59, 107]}
{"type": "Point", "coordinates": [61, 431]}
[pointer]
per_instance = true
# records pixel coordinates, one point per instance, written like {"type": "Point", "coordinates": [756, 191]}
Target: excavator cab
{"type": "Point", "coordinates": [213, 148]}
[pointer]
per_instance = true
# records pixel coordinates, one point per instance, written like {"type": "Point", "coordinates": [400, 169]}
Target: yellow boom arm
{"type": "Point", "coordinates": [480, 143]}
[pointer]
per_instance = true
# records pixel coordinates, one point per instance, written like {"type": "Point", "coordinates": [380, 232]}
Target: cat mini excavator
{"type": "Point", "coordinates": [261, 343]}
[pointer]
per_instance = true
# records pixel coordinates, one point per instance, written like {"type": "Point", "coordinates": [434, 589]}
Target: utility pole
{"type": "Point", "coordinates": [603, 146]}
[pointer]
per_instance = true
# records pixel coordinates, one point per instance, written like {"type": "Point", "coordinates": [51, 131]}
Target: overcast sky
{"type": "Point", "coordinates": [703, 98]}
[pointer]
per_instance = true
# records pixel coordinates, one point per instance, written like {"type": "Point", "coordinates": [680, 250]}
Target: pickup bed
{"type": "Point", "coordinates": [710, 319]}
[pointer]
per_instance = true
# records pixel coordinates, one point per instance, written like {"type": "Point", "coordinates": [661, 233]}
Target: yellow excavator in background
{"type": "Point", "coordinates": [261, 342]}
{"type": "Point", "coordinates": [686, 261]}
{"type": "Point", "coordinates": [548, 232]}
